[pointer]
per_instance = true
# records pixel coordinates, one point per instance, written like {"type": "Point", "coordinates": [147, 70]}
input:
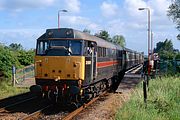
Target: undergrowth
{"type": "Point", "coordinates": [163, 101]}
{"type": "Point", "coordinates": [7, 90]}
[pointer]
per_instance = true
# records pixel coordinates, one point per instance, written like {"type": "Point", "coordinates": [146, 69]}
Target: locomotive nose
{"type": "Point", "coordinates": [62, 68]}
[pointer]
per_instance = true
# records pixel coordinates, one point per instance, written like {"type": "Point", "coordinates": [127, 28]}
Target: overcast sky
{"type": "Point", "coordinates": [23, 21]}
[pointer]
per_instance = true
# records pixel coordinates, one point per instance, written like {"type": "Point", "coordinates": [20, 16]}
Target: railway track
{"type": "Point", "coordinates": [36, 114]}
{"type": "Point", "coordinates": [13, 99]}
{"type": "Point", "coordinates": [4, 109]}
{"type": "Point", "coordinates": [23, 108]}
{"type": "Point", "coordinates": [134, 69]}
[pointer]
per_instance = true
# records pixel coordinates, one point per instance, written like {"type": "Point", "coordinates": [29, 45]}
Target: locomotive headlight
{"type": "Point", "coordinates": [81, 91]}
{"type": "Point", "coordinates": [69, 32]}
{"type": "Point", "coordinates": [50, 33]}
{"type": "Point", "coordinates": [57, 78]}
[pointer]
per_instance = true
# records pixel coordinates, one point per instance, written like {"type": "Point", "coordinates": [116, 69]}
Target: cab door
{"type": "Point", "coordinates": [90, 52]}
{"type": "Point", "coordinates": [93, 61]}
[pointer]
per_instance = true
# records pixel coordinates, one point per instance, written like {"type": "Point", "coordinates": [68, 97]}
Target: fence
{"type": "Point", "coordinates": [169, 66]}
{"type": "Point", "coordinates": [21, 75]}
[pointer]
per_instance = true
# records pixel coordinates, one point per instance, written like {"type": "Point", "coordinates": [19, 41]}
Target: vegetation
{"type": "Point", "coordinates": [162, 104]}
{"type": "Point", "coordinates": [117, 39]}
{"type": "Point", "coordinates": [104, 35]}
{"type": "Point", "coordinates": [166, 51]}
{"type": "Point", "coordinates": [86, 31]}
{"type": "Point", "coordinates": [173, 13]}
{"type": "Point", "coordinates": [7, 90]}
{"type": "Point", "coordinates": [14, 54]}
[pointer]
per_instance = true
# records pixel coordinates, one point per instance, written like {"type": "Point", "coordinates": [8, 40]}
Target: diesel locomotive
{"type": "Point", "coordinates": [72, 66]}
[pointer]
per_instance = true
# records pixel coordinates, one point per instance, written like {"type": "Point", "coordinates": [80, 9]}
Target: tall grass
{"type": "Point", "coordinates": [163, 101]}
{"type": "Point", "coordinates": [6, 90]}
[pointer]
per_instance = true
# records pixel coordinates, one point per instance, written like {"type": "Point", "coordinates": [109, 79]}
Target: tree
{"type": "Point", "coordinates": [165, 49]}
{"type": "Point", "coordinates": [164, 46]}
{"type": "Point", "coordinates": [15, 46]}
{"type": "Point", "coordinates": [86, 31]}
{"type": "Point", "coordinates": [174, 14]}
{"type": "Point", "coordinates": [104, 35]}
{"type": "Point", "coordinates": [119, 39]}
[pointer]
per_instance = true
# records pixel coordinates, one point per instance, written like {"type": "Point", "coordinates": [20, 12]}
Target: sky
{"type": "Point", "coordinates": [23, 21]}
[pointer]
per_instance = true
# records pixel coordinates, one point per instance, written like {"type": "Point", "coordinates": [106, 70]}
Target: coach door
{"type": "Point", "coordinates": [124, 60]}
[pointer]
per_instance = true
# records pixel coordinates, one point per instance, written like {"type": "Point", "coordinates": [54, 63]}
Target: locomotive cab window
{"type": "Point", "coordinates": [60, 48]}
{"type": "Point", "coordinates": [75, 47]}
{"type": "Point", "coordinates": [89, 47]}
{"type": "Point", "coordinates": [42, 46]}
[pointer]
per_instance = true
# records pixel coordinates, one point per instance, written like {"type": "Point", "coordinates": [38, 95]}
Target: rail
{"type": "Point", "coordinates": [36, 114]}
{"type": "Point", "coordinates": [14, 104]}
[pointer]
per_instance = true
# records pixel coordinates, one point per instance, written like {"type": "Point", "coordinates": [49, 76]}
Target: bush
{"type": "Point", "coordinates": [10, 56]}
{"type": "Point", "coordinates": [7, 59]}
{"type": "Point", "coordinates": [26, 57]}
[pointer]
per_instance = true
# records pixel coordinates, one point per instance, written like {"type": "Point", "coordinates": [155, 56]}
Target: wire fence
{"type": "Point", "coordinates": [169, 66]}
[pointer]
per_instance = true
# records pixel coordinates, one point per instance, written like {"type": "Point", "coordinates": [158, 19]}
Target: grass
{"type": "Point", "coordinates": [6, 90]}
{"type": "Point", "coordinates": [163, 101]}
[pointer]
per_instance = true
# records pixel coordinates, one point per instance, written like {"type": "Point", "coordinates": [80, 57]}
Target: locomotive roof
{"type": "Point", "coordinates": [72, 33]}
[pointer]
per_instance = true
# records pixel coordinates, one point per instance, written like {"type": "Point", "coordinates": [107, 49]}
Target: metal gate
{"type": "Point", "coordinates": [23, 77]}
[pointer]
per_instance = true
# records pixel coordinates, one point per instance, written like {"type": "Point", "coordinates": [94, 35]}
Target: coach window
{"type": "Point", "coordinates": [109, 52]}
{"type": "Point", "coordinates": [101, 52]}
{"type": "Point", "coordinates": [104, 52]}
{"type": "Point", "coordinates": [98, 51]}
{"type": "Point", "coordinates": [113, 52]}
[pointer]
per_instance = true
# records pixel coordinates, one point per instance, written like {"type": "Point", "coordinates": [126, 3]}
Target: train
{"type": "Point", "coordinates": [72, 66]}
